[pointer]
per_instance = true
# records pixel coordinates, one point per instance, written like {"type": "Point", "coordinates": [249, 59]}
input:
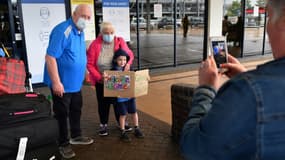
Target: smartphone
{"type": "Point", "coordinates": [219, 49]}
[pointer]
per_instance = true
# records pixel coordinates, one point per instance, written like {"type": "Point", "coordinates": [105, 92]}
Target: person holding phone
{"type": "Point", "coordinates": [244, 118]}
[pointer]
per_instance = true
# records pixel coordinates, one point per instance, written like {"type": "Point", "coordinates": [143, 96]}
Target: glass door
{"type": "Point", "coordinates": [254, 27]}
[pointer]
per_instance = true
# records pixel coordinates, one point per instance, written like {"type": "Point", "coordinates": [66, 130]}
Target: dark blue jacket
{"type": "Point", "coordinates": [245, 120]}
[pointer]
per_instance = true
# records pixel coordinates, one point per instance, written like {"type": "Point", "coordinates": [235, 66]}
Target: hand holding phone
{"type": "Point", "coordinates": [219, 50]}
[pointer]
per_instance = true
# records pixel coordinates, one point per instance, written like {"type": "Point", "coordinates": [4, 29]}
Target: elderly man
{"type": "Point", "coordinates": [244, 119]}
{"type": "Point", "coordinates": [64, 74]}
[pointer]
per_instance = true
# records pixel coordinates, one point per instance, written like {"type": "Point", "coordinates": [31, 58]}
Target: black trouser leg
{"type": "Point", "coordinates": [67, 106]}
{"type": "Point", "coordinates": [60, 109]}
{"type": "Point", "coordinates": [103, 104]}
{"type": "Point", "coordinates": [75, 114]}
{"type": "Point", "coordinates": [185, 30]}
{"type": "Point", "coordinates": [117, 114]}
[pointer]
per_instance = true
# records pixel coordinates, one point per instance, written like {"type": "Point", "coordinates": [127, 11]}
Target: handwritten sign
{"type": "Point", "coordinates": [126, 84]}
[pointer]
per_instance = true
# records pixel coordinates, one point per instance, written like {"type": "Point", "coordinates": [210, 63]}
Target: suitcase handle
{"type": "Point", "coordinates": [23, 112]}
{"type": "Point", "coordinates": [31, 95]}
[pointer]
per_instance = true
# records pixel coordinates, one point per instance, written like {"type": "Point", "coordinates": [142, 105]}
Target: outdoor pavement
{"type": "Point", "coordinates": [157, 47]}
{"type": "Point", "coordinates": [155, 120]}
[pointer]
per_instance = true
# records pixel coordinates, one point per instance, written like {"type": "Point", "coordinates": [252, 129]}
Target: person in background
{"type": "Point", "coordinates": [99, 58]}
{"type": "Point", "coordinates": [125, 105]}
{"type": "Point", "coordinates": [225, 26]}
{"type": "Point", "coordinates": [244, 118]}
{"type": "Point", "coordinates": [185, 25]}
{"type": "Point", "coordinates": [64, 73]}
{"type": "Point", "coordinates": [238, 30]}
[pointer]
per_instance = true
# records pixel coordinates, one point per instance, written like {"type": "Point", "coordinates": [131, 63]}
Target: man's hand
{"type": "Point", "coordinates": [58, 89]}
{"type": "Point", "coordinates": [233, 67]}
{"type": "Point", "coordinates": [57, 86]}
{"type": "Point", "coordinates": [208, 73]}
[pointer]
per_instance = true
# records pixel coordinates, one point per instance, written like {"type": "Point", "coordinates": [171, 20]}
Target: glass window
{"type": "Point", "coordinates": [159, 41]}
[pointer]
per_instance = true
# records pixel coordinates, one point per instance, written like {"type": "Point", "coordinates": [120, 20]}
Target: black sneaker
{"type": "Point", "coordinates": [138, 133]}
{"type": "Point", "coordinates": [124, 137]}
{"type": "Point", "coordinates": [103, 131]}
{"type": "Point", "coordinates": [128, 128]}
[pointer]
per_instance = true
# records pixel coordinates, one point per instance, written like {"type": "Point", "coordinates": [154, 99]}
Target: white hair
{"type": "Point", "coordinates": [106, 25]}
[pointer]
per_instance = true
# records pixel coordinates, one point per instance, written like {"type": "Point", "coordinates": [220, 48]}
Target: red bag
{"type": "Point", "coordinates": [12, 76]}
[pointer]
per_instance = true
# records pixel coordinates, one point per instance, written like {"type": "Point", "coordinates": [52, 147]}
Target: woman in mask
{"type": "Point", "coordinates": [99, 58]}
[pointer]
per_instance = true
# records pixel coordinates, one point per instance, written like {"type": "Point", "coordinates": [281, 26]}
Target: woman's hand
{"type": "Point", "coordinates": [208, 73]}
{"type": "Point", "coordinates": [233, 67]}
{"type": "Point", "coordinates": [104, 77]}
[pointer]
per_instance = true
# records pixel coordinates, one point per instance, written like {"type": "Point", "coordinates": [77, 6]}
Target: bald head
{"type": "Point", "coordinates": [81, 11]}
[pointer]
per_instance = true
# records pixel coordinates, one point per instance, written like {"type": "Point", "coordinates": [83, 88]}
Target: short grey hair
{"type": "Point", "coordinates": [79, 7]}
{"type": "Point", "coordinates": [106, 25]}
{"type": "Point", "coordinates": [278, 7]}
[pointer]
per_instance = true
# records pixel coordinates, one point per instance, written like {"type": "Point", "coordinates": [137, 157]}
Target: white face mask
{"type": "Point", "coordinates": [81, 23]}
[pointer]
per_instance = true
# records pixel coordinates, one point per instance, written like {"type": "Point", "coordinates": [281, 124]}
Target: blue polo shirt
{"type": "Point", "coordinates": [67, 45]}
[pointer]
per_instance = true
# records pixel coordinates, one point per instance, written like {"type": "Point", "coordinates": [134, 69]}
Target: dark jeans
{"type": "Point", "coordinates": [104, 104]}
{"type": "Point", "coordinates": [68, 106]}
{"type": "Point", "coordinates": [185, 30]}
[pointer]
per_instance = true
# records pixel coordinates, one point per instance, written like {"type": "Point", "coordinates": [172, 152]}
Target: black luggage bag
{"type": "Point", "coordinates": [22, 107]}
{"type": "Point", "coordinates": [27, 115]}
{"type": "Point", "coordinates": [45, 152]}
{"type": "Point", "coordinates": [48, 152]}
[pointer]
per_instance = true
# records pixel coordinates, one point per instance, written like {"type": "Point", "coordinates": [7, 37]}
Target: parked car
{"type": "Point", "coordinates": [154, 23]}
{"type": "Point", "coordinates": [142, 24]}
{"type": "Point", "coordinates": [168, 22]}
{"type": "Point", "coordinates": [179, 22]}
{"type": "Point", "coordinates": [196, 22]}
{"type": "Point", "coordinates": [251, 22]}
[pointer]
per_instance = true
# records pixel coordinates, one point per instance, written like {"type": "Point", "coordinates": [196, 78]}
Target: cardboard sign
{"type": "Point", "coordinates": [126, 84]}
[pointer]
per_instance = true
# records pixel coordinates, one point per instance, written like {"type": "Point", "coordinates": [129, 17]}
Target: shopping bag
{"type": "Point", "coordinates": [12, 76]}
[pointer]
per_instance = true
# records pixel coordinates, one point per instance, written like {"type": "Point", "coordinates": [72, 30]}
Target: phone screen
{"type": "Point", "coordinates": [219, 51]}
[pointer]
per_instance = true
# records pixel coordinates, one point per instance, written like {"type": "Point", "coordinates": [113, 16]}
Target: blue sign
{"type": "Point", "coordinates": [115, 3]}
{"type": "Point", "coordinates": [42, 1]}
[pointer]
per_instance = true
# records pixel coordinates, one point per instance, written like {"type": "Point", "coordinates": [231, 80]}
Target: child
{"type": "Point", "coordinates": [125, 105]}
